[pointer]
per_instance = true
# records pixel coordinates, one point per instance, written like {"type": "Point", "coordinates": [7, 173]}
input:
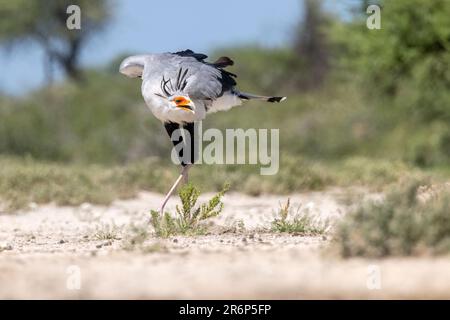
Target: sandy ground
{"type": "Point", "coordinates": [55, 252]}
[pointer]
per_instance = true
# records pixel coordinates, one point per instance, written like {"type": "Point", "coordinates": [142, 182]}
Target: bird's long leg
{"type": "Point", "coordinates": [186, 175]}
{"type": "Point", "coordinates": [170, 128]}
{"type": "Point", "coordinates": [182, 177]}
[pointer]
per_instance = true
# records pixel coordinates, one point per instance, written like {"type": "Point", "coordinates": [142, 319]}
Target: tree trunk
{"type": "Point", "coordinates": [311, 45]}
{"type": "Point", "coordinates": [69, 61]}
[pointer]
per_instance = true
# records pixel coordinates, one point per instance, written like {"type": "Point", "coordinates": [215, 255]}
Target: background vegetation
{"type": "Point", "coordinates": [411, 220]}
{"type": "Point", "coordinates": [365, 107]}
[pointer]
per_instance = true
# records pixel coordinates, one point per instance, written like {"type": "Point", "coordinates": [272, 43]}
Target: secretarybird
{"type": "Point", "coordinates": [180, 89]}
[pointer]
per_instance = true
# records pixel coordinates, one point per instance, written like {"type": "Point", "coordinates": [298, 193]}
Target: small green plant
{"type": "Point", "coordinates": [135, 239]}
{"type": "Point", "coordinates": [301, 223]}
{"type": "Point", "coordinates": [135, 236]}
{"type": "Point", "coordinates": [107, 231]}
{"type": "Point", "coordinates": [406, 222]}
{"type": "Point", "coordinates": [188, 219]}
{"type": "Point", "coordinates": [236, 226]}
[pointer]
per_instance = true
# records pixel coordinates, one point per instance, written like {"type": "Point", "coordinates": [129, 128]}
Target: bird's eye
{"type": "Point", "coordinates": [179, 100]}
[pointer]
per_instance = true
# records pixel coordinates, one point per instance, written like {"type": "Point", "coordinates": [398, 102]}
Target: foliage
{"type": "Point", "coordinates": [408, 221]}
{"type": "Point", "coordinates": [107, 231]}
{"type": "Point", "coordinates": [404, 70]}
{"type": "Point", "coordinates": [311, 46]}
{"type": "Point", "coordinates": [83, 123]}
{"type": "Point", "coordinates": [393, 54]}
{"type": "Point", "coordinates": [386, 98]}
{"type": "Point", "coordinates": [188, 219]}
{"type": "Point", "coordinates": [298, 223]}
{"type": "Point", "coordinates": [23, 181]}
{"type": "Point", "coordinates": [44, 22]}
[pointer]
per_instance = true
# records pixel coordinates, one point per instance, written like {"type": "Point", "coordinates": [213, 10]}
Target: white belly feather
{"type": "Point", "coordinates": [227, 101]}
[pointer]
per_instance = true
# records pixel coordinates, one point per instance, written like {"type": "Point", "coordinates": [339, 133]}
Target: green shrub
{"type": "Point", "coordinates": [189, 219]}
{"type": "Point", "coordinates": [298, 223]}
{"type": "Point", "coordinates": [407, 222]}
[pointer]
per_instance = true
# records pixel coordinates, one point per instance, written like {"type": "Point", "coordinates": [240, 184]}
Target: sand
{"type": "Point", "coordinates": [55, 252]}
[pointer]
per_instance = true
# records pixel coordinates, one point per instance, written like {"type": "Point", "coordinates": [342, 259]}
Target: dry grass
{"type": "Point", "coordinates": [24, 180]}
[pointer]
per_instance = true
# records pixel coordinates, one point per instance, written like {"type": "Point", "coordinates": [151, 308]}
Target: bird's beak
{"type": "Point", "coordinates": [187, 108]}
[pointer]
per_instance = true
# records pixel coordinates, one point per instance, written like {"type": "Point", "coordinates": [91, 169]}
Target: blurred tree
{"type": "Point", "coordinates": [408, 58]}
{"type": "Point", "coordinates": [44, 22]}
{"type": "Point", "coordinates": [405, 66]}
{"type": "Point", "coordinates": [311, 46]}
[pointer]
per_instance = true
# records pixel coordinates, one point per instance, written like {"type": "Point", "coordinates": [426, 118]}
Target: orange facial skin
{"type": "Point", "coordinates": [182, 103]}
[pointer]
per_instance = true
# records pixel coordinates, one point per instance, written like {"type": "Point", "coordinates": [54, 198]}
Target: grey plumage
{"type": "Point", "coordinates": [202, 82]}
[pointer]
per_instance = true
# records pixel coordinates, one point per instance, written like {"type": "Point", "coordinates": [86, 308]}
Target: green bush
{"type": "Point", "coordinates": [407, 222]}
{"type": "Point", "coordinates": [403, 68]}
{"type": "Point", "coordinates": [102, 120]}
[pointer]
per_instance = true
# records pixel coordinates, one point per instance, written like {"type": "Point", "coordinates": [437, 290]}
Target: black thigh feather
{"type": "Point", "coordinates": [192, 148]}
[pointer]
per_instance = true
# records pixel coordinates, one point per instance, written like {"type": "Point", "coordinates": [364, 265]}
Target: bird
{"type": "Point", "coordinates": [180, 89]}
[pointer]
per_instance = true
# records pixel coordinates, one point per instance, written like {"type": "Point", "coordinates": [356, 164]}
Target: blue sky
{"type": "Point", "coordinates": [140, 26]}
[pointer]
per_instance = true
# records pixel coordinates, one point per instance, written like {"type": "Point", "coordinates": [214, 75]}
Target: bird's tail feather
{"type": "Point", "coordinates": [250, 96]}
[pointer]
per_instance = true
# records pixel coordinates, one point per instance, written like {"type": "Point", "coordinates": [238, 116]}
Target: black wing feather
{"type": "Point", "coordinates": [226, 78]}
{"type": "Point", "coordinates": [189, 53]}
{"type": "Point", "coordinates": [223, 62]}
